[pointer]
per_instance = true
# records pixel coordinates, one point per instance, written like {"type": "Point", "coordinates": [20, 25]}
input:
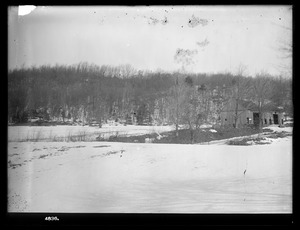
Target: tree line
{"type": "Point", "coordinates": [88, 93]}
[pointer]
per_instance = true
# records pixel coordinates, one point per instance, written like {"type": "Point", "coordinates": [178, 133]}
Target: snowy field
{"type": "Point", "coordinates": [110, 177]}
{"type": "Point", "coordinates": [49, 133]}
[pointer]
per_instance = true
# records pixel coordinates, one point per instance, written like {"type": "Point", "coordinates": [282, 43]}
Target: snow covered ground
{"type": "Point", "coordinates": [48, 133]}
{"type": "Point", "coordinates": [274, 128]}
{"type": "Point", "coordinates": [97, 177]}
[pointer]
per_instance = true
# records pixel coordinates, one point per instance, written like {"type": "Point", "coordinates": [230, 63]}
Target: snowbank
{"type": "Point", "coordinates": [276, 128]}
{"type": "Point", "coordinates": [149, 178]}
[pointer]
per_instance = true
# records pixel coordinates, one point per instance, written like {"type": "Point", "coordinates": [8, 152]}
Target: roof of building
{"type": "Point", "coordinates": [272, 107]}
{"type": "Point", "coordinates": [250, 105]}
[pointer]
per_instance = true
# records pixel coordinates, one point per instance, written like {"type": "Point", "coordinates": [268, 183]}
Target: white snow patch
{"type": "Point", "coordinates": [213, 130]}
{"type": "Point", "coordinates": [149, 140]}
{"type": "Point", "coordinates": [266, 140]}
{"type": "Point", "coordinates": [250, 142]}
{"type": "Point", "coordinates": [204, 126]}
{"type": "Point", "coordinates": [276, 128]}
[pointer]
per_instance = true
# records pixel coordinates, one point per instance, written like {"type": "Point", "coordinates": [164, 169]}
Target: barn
{"type": "Point", "coordinates": [248, 114]}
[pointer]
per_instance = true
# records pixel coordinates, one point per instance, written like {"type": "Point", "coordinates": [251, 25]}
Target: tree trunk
{"type": "Point", "coordinates": [177, 108]}
{"type": "Point", "coordinates": [83, 117]}
{"type": "Point", "coordinates": [63, 116]}
{"type": "Point", "coordinates": [191, 132]}
{"type": "Point", "coordinates": [177, 134]}
{"type": "Point", "coordinates": [260, 117]}
{"type": "Point", "coordinates": [198, 121]}
{"type": "Point", "coordinates": [260, 126]}
{"type": "Point", "coordinates": [192, 135]}
{"type": "Point", "coordinates": [100, 122]}
{"type": "Point", "coordinates": [236, 113]}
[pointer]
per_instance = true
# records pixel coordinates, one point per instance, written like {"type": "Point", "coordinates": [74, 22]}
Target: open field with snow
{"type": "Point", "coordinates": [109, 177]}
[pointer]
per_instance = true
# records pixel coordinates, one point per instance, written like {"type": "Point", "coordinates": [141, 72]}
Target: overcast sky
{"type": "Point", "coordinates": [212, 38]}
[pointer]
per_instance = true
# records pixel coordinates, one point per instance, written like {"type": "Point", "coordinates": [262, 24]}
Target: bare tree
{"type": "Point", "coordinates": [261, 91]}
{"type": "Point", "coordinates": [176, 101]}
{"type": "Point", "coordinates": [185, 57]}
{"type": "Point", "coordinates": [191, 107]}
{"type": "Point", "coordinates": [126, 71]}
{"type": "Point", "coordinates": [240, 90]}
{"type": "Point", "coordinates": [285, 49]}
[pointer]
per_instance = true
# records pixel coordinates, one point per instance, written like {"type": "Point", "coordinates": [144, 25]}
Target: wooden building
{"type": "Point", "coordinates": [248, 113]}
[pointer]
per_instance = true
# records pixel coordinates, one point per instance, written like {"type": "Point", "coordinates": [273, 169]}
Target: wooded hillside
{"type": "Point", "coordinates": [85, 93]}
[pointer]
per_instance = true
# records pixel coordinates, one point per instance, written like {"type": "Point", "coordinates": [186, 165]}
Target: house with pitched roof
{"type": "Point", "coordinates": [248, 113]}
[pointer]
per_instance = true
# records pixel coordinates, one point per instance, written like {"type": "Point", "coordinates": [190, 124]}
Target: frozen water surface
{"type": "Point", "coordinates": [49, 133]}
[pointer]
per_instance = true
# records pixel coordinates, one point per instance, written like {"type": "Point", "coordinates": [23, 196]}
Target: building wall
{"type": "Point", "coordinates": [227, 118]}
{"type": "Point", "coordinates": [269, 116]}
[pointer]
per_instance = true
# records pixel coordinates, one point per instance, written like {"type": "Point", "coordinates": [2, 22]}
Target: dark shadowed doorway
{"type": "Point", "coordinates": [275, 118]}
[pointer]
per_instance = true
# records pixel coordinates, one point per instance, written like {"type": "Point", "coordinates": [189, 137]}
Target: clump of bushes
{"type": "Point", "coordinates": [184, 136]}
{"type": "Point", "coordinates": [244, 141]}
